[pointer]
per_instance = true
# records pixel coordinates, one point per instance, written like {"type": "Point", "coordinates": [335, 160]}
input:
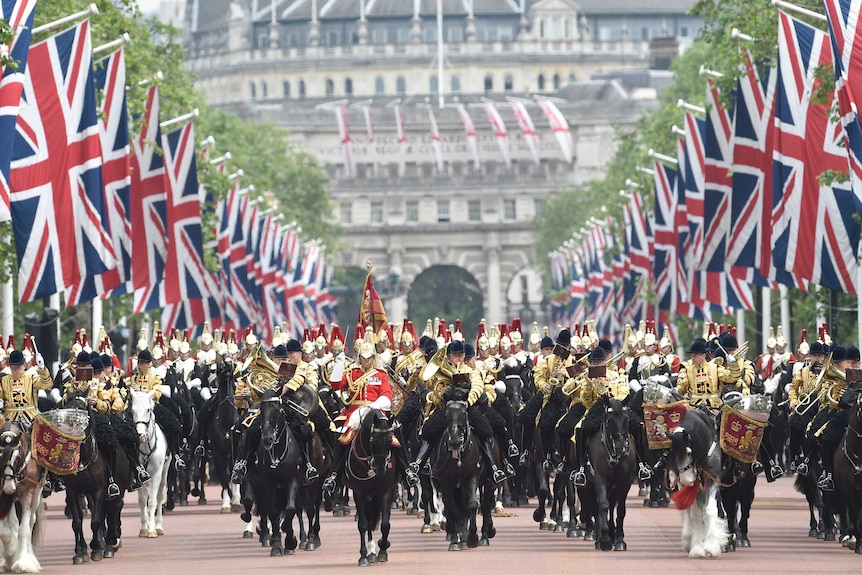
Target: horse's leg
{"type": "Point", "coordinates": [385, 514]}
{"type": "Point", "coordinates": [273, 513]}
{"type": "Point", "coordinates": [487, 505]}
{"type": "Point", "coordinates": [619, 532]}
{"type": "Point", "coordinates": [161, 498]}
{"type": "Point", "coordinates": [715, 529]}
{"type": "Point", "coordinates": [746, 500]}
{"type": "Point", "coordinates": [30, 499]}
{"type": "Point", "coordinates": [290, 512]}
{"type": "Point", "coordinates": [97, 525]}
{"type": "Point", "coordinates": [362, 513]}
{"type": "Point", "coordinates": [426, 494]}
{"type": "Point", "coordinates": [143, 504]}
{"type": "Point", "coordinates": [73, 503]}
{"type": "Point", "coordinates": [472, 511]}
{"type": "Point", "coordinates": [728, 497]}
{"type": "Point", "coordinates": [603, 539]}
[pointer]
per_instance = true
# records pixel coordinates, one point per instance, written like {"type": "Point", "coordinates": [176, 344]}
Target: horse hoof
{"type": "Point", "coordinates": [443, 525]}
{"type": "Point", "coordinates": [224, 510]}
{"type": "Point", "coordinates": [472, 542]}
{"type": "Point", "coordinates": [116, 546]}
{"type": "Point", "coordinates": [858, 550]}
{"type": "Point", "coordinates": [290, 552]}
{"type": "Point", "coordinates": [572, 533]}
{"type": "Point", "coordinates": [152, 534]}
{"type": "Point", "coordinates": [77, 560]}
{"type": "Point", "coordinates": [275, 552]}
{"type": "Point", "coordinates": [462, 546]}
{"type": "Point", "coordinates": [559, 528]}
{"type": "Point", "coordinates": [426, 529]}
{"type": "Point", "coordinates": [744, 543]}
{"type": "Point", "coordinates": [412, 511]}
{"type": "Point", "coordinates": [829, 537]}
{"type": "Point", "coordinates": [454, 547]}
{"type": "Point", "coordinates": [812, 533]}
{"type": "Point", "coordinates": [245, 516]}
{"type": "Point", "coordinates": [184, 502]}
{"type": "Point", "coordinates": [108, 554]}
{"type": "Point", "coordinates": [311, 546]}
{"type": "Point", "coordinates": [821, 535]}
{"type": "Point", "coordinates": [202, 501]}
{"type": "Point", "coordinates": [653, 504]}
{"type": "Point", "coordinates": [421, 514]}
{"type": "Point", "coordinates": [235, 508]}
{"type": "Point", "coordinates": [598, 546]}
{"type": "Point", "coordinates": [160, 531]}
{"type": "Point", "coordinates": [265, 542]}
{"type": "Point", "coordinates": [363, 562]}
{"type": "Point", "coordinates": [543, 526]}
{"type": "Point", "coordinates": [589, 536]}
{"type": "Point", "coordinates": [247, 534]}
{"type": "Point", "coordinates": [580, 533]}
{"type": "Point", "coordinates": [383, 557]}
{"type": "Point", "coordinates": [538, 515]}
{"type": "Point", "coordinates": [303, 544]}
{"type": "Point", "coordinates": [372, 558]}
{"type": "Point", "coordinates": [96, 556]}
{"type": "Point", "coordinates": [142, 533]}
{"type": "Point", "coordinates": [620, 546]}
{"type": "Point", "coordinates": [483, 542]}
{"type": "Point", "coordinates": [436, 526]}
{"type": "Point", "coordinates": [492, 531]}
{"type": "Point", "coordinates": [340, 513]}
{"type": "Point", "coordinates": [663, 503]}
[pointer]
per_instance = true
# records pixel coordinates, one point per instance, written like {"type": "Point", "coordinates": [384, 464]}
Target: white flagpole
{"type": "Point", "coordinates": [799, 10]}
{"type": "Point", "coordinates": [740, 323]}
{"type": "Point", "coordinates": [440, 82]}
{"type": "Point", "coordinates": [97, 320]}
{"type": "Point", "coordinates": [785, 312]}
{"type": "Point", "coordinates": [179, 119]}
{"type": "Point", "coordinates": [91, 9]}
{"type": "Point", "coordinates": [124, 39]}
{"type": "Point", "coordinates": [8, 324]}
{"type": "Point", "coordinates": [766, 315]}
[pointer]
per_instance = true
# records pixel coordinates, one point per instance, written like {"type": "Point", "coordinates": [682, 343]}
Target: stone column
{"type": "Point", "coordinates": [494, 295]}
{"type": "Point", "coordinates": [396, 307]}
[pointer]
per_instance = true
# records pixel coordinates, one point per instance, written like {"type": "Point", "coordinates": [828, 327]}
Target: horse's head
{"type": "Point", "coordinates": [13, 449]}
{"type": "Point", "coordinates": [330, 400]}
{"type": "Point", "coordinates": [456, 425]}
{"type": "Point", "coordinates": [272, 420]}
{"type": "Point", "coordinates": [616, 429]}
{"type": "Point", "coordinates": [141, 407]}
{"type": "Point", "coordinates": [379, 429]}
{"type": "Point", "coordinates": [514, 385]}
{"type": "Point", "coordinates": [691, 447]}
{"type": "Point", "coordinates": [224, 377]}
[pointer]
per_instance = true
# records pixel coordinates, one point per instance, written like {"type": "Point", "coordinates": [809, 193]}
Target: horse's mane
{"type": "Point", "coordinates": [698, 434]}
{"type": "Point", "coordinates": [269, 394]}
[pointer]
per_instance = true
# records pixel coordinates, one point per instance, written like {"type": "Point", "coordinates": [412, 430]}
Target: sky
{"type": "Point", "coordinates": [148, 6]}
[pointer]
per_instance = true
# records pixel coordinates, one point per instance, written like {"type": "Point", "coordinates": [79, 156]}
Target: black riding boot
{"type": "Point", "coordinates": [498, 475]}
{"type": "Point", "coordinates": [340, 454]}
{"type": "Point", "coordinates": [111, 464]}
{"type": "Point", "coordinates": [175, 442]}
{"type": "Point", "coordinates": [547, 437]}
{"type": "Point", "coordinates": [409, 476]}
{"type": "Point", "coordinates": [578, 476]}
{"type": "Point", "coordinates": [311, 472]}
{"type": "Point", "coordinates": [526, 445]}
{"type": "Point", "coordinates": [564, 453]}
{"type": "Point", "coordinates": [825, 481]}
{"type": "Point", "coordinates": [204, 416]}
{"type": "Point", "coordinates": [772, 469]}
{"type": "Point", "coordinates": [421, 457]}
{"type": "Point", "coordinates": [644, 470]}
{"type": "Point", "coordinates": [502, 438]}
{"type": "Point", "coordinates": [244, 449]}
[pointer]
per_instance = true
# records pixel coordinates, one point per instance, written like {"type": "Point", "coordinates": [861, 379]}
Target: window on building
{"type": "Point", "coordinates": [539, 204]}
{"type": "Point", "coordinates": [455, 35]}
{"type": "Point", "coordinates": [348, 87]}
{"type": "Point", "coordinates": [683, 31]}
{"type": "Point", "coordinates": [263, 90]}
{"type": "Point", "coordinates": [508, 83]}
{"type": "Point", "coordinates": [376, 212]}
{"type": "Point", "coordinates": [645, 34]}
{"type": "Point", "coordinates": [568, 30]}
{"type": "Point", "coordinates": [354, 36]}
{"type": "Point", "coordinates": [489, 83]}
{"type": "Point", "coordinates": [346, 213]}
{"type": "Point", "coordinates": [455, 83]}
{"type": "Point", "coordinates": [400, 85]}
{"type": "Point", "coordinates": [572, 78]}
{"type": "Point", "coordinates": [541, 28]}
{"type": "Point", "coordinates": [412, 211]}
{"type": "Point", "coordinates": [555, 28]}
{"type": "Point", "coordinates": [433, 85]}
{"type": "Point", "coordinates": [541, 82]}
{"type": "Point", "coordinates": [429, 35]}
{"type": "Point", "coordinates": [285, 89]}
{"type": "Point", "coordinates": [505, 34]}
{"type": "Point", "coordinates": [379, 36]}
{"type": "Point", "coordinates": [379, 85]}
{"type": "Point", "coordinates": [302, 88]}
{"type": "Point", "coordinates": [332, 38]}
{"type": "Point", "coordinates": [252, 90]}
{"type": "Point", "coordinates": [330, 87]}
{"type": "Point", "coordinates": [509, 209]}
{"type": "Point", "coordinates": [262, 41]}
{"type": "Point", "coordinates": [442, 211]}
{"type": "Point", "coordinates": [474, 210]}
{"type": "Point", "coordinates": [403, 35]}
{"type": "Point", "coordinates": [556, 81]}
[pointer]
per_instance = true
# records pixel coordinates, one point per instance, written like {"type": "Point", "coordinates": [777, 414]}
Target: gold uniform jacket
{"type": "Point", "coordinates": [20, 395]}
{"type": "Point", "coordinates": [802, 384]}
{"type": "Point", "coordinates": [146, 382]}
{"type": "Point", "coordinates": [438, 384]}
{"type": "Point", "coordinates": [703, 383]}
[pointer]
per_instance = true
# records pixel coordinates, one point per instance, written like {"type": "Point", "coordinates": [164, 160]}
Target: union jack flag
{"type": "Point", "coordinates": [19, 15]}
{"type": "Point", "coordinates": [186, 277]}
{"type": "Point", "coordinates": [56, 176]}
{"type": "Point", "coordinates": [294, 298]}
{"type": "Point", "coordinates": [843, 19]}
{"type": "Point", "coordinates": [110, 80]}
{"type": "Point", "coordinates": [236, 262]}
{"type": "Point", "coordinates": [692, 164]}
{"type": "Point", "coordinates": [577, 292]}
{"type": "Point", "coordinates": [149, 210]}
{"type": "Point", "coordinates": [718, 157]}
{"type": "Point", "coordinates": [815, 227]}
{"type": "Point", "coordinates": [665, 240]}
{"type": "Point", "coordinates": [327, 304]}
{"type": "Point", "coordinates": [228, 210]}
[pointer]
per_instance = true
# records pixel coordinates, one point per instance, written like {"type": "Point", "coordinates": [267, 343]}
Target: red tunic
{"type": "Point", "coordinates": [376, 385]}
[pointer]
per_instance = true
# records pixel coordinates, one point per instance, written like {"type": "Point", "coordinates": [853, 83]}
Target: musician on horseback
{"type": "Point", "coordinates": [595, 389]}
{"type": "Point", "coordinates": [455, 376]}
{"type": "Point", "coordinates": [19, 390]}
{"type": "Point", "coordinates": [368, 388]}
{"type": "Point", "coordinates": [830, 424]}
{"type": "Point", "coordinates": [701, 381]}
{"type": "Point", "coordinates": [147, 380]}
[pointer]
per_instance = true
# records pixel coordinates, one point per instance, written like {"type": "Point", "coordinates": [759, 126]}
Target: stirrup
{"type": "Point", "coordinates": [499, 475]}
{"type": "Point", "coordinates": [311, 473]}
{"type": "Point", "coordinates": [524, 460]}
{"type": "Point", "coordinates": [329, 484]}
{"type": "Point", "coordinates": [240, 470]}
{"type": "Point", "coordinates": [756, 467]}
{"type": "Point", "coordinates": [825, 482]}
{"type": "Point", "coordinates": [509, 469]}
{"type": "Point", "coordinates": [113, 488]}
{"type": "Point", "coordinates": [644, 472]}
{"type": "Point", "coordinates": [143, 475]}
{"type": "Point", "coordinates": [776, 470]}
{"type": "Point", "coordinates": [793, 466]}
{"type": "Point", "coordinates": [414, 466]}
{"type": "Point", "coordinates": [411, 478]}
{"type": "Point", "coordinates": [59, 485]}
{"type": "Point", "coordinates": [513, 450]}
{"type": "Point", "coordinates": [547, 465]}
{"type": "Point", "coordinates": [200, 450]}
{"type": "Point", "coordinates": [802, 468]}
{"type": "Point", "coordinates": [578, 477]}
{"type": "Point", "coordinates": [561, 466]}
{"type": "Point", "coordinates": [179, 463]}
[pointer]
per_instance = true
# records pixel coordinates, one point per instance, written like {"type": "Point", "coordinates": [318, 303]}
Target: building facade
{"type": "Point", "coordinates": [414, 199]}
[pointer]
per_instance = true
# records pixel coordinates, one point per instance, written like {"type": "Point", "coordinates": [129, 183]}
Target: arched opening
{"type": "Point", "coordinates": [252, 91]}
{"type": "Point", "coordinates": [379, 85]}
{"type": "Point", "coordinates": [432, 84]}
{"type": "Point", "coordinates": [524, 298]}
{"type": "Point", "coordinates": [448, 292]}
{"type": "Point", "coordinates": [346, 286]}
{"type": "Point", "coordinates": [263, 93]}
{"type": "Point", "coordinates": [348, 87]}
{"type": "Point", "coordinates": [455, 84]}
{"type": "Point", "coordinates": [508, 83]}
{"type": "Point", "coordinates": [489, 83]}
{"type": "Point", "coordinates": [285, 89]}
{"type": "Point", "coordinates": [302, 88]}
{"type": "Point", "coordinates": [400, 85]}
{"type": "Point", "coordinates": [541, 82]}
{"type": "Point", "coordinates": [556, 81]}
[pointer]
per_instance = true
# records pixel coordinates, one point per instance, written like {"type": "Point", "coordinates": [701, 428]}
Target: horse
{"type": "Point", "coordinates": [22, 515]}
{"type": "Point", "coordinates": [155, 457]}
{"type": "Point", "coordinates": [219, 435]}
{"type": "Point", "coordinates": [90, 483]}
{"type": "Point", "coordinates": [848, 473]}
{"type": "Point", "coordinates": [275, 477]}
{"type": "Point", "coordinates": [613, 461]}
{"type": "Point", "coordinates": [458, 472]}
{"type": "Point", "coordinates": [693, 461]}
{"type": "Point", "coordinates": [370, 473]}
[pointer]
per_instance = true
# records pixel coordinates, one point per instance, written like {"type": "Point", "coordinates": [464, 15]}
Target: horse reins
{"type": "Point", "coordinates": [275, 462]}
{"type": "Point", "coordinates": [367, 459]}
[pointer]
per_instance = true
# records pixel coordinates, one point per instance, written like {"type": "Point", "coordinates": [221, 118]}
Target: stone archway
{"type": "Point", "coordinates": [449, 292]}
{"type": "Point", "coordinates": [525, 297]}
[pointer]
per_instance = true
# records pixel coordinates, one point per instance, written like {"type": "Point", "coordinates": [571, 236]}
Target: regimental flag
{"type": "Point", "coordinates": [56, 175]}
{"type": "Point", "coordinates": [470, 134]}
{"type": "Point", "coordinates": [664, 232]}
{"type": "Point", "coordinates": [371, 312]}
{"type": "Point", "coordinates": [19, 15]}
{"type": "Point", "coordinates": [148, 209]}
{"type": "Point", "coordinates": [815, 225]}
{"type": "Point", "coordinates": [718, 182]}
{"type": "Point", "coordinates": [110, 81]}
{"type": "Point", "coordinates": [844, 25]}
{"type": "Point", "coordinates": [528, 130]}
{"type": "Point", "coordinates": [369, 128]}
{"type": "Point", "coordinates": [186, 276]}
{"type": "Point", "coordinates": [500, 132]}
{"type": "Point", "coordinates": [435, 140]}
{"type": "Point", "coordinates": [560, 127]}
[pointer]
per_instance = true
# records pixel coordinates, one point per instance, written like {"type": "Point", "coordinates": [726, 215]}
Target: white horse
{"type": "Point", "coordinates": [22, 481]}
{"type": "Point", "coordinates": [154, 454]}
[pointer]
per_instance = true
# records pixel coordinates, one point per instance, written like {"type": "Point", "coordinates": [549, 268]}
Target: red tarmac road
{"type": "Point", "coordinates": [201, 541]}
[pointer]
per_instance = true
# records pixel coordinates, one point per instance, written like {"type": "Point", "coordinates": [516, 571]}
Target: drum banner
{"type": "Point", "coordinates": [661, 420]}
{"type": "Point", "coordinates": [740, 435]}
{"type": "Point", "coordinates": [55, 450]}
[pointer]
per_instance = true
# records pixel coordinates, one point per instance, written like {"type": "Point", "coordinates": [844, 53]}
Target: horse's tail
{"type": "Point", "coordinates": [39, 526]}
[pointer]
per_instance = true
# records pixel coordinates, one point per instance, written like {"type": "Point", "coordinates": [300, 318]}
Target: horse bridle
{"type": "Point", "coordinates": [369, 459]}
{"type": "Point", "coordinates": [853, 458]}
{"type": "Point", "coordinates": [610, 448]}
{"type": "Point", "coordinates": [279, 432]}
{"type": "Point", "coordinates": [151, 434]}
{"type": "Point", "coordinates": [10, 471]}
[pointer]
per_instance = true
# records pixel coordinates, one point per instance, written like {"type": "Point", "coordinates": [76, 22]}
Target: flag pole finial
{"type": "Point", "coordinates": [368, 265]}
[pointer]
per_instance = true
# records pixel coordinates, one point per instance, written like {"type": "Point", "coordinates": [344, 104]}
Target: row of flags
{"type": "Point", "coordinates": [556, 120]}
{"type": "Point", "coordinates": [744, 202]}
{"type": "Point", "coordinates": [98, 211]}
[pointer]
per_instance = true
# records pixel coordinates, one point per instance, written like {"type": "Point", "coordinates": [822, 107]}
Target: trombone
{"type": "Point", "coordinates": [818, 391]}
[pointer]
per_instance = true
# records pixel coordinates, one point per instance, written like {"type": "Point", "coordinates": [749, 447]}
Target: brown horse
{"type": "Point", "coordinates": [22, 483]}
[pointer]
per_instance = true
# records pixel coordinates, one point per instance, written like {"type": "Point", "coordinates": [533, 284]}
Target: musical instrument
{"type": "Point", "coordinates": [741, 352]}
{"type": "Point", "coordinates": [813, 397]}
{"type": "Point", "coordinates": [264, 374]}
{"type": "Point", "coordinates": [437, 363]}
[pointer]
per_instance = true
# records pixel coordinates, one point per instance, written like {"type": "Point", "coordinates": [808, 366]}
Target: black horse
{"type": "Point", "coordinates": [459, 472]}
{"type": "Point", "coordinates": [848, 470]}
{"type": "Point", "coordinates": [219, 435]}
{"type": "Point", "coordinates": [612, 456]}
{"type": "Point", "coordinates": [370, 472]}
{"type": "Point", "coordinates": [90, 483]}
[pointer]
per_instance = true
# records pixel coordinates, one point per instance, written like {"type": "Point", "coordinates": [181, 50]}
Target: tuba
{"type": "Point", "coordinates": [437, 363]}
{"type": "Point", "coordinates": [263, 372]}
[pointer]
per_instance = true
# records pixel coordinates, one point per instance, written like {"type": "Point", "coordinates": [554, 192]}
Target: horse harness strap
{"type": "Point", "coordinates": [857, 467]}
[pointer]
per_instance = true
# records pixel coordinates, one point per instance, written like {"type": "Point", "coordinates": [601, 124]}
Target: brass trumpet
{"type": "Point", "coordinates": [816, 394]}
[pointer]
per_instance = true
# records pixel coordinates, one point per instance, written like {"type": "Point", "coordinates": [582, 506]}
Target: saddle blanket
{"type": "Point", "coordinates": [740, 435]}
{"type": "Point", "coordinates": [661, 420]}
{"type": "Point", "coordinates": [54, 449]}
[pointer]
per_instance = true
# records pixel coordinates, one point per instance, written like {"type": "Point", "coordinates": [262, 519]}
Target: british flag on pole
{"type": "Point", "coordinates": [19, 15]}
{"type": "Point", "coordinates": [149, 210]}
{"type": "Point", "coordinates": [228, 211]}
{"type": "Point", "coordinates": [718, 157]}
{"type": "Point", "coordinates": [664, 233]}
{"type": "Point", "coordinates": [56, 175]}
{"type": "Point", "coordinates": [815, 227]}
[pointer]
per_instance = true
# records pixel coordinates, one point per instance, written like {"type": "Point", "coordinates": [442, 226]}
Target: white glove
{"type": "Point", "coordinates": [511, 361]}
{"type": "Point", "coordinates": [659, 379]}
{"type": "Point", "coordinates": [206, 393]}
{"type": "Point", "coordinates": [55, 395]}
{"type": "Point", "coordinates": [40, 361]}
{"type": "Point", "coordinates": [337, 368]}
{"type": "Point", "coordinates": [500, 386]}
{"type": "Point", "coordinates": [635, 385]}
{"type": "Point", "coordinates": [2, 404]}
{"type": "Point", "coordinates": [383, 403]}
{"type": "Point", "coordinates": [194, 383]}
{"type": "Point", "coordinates": [731, 358]}
{"type": "Point", "coordinates": [356, 417]}
{"type": "Point", "coordinates": [166, 390]}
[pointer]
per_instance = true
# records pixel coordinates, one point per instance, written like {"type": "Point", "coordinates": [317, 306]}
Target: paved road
{"type": "Point", "coordinates": [200, 541]}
